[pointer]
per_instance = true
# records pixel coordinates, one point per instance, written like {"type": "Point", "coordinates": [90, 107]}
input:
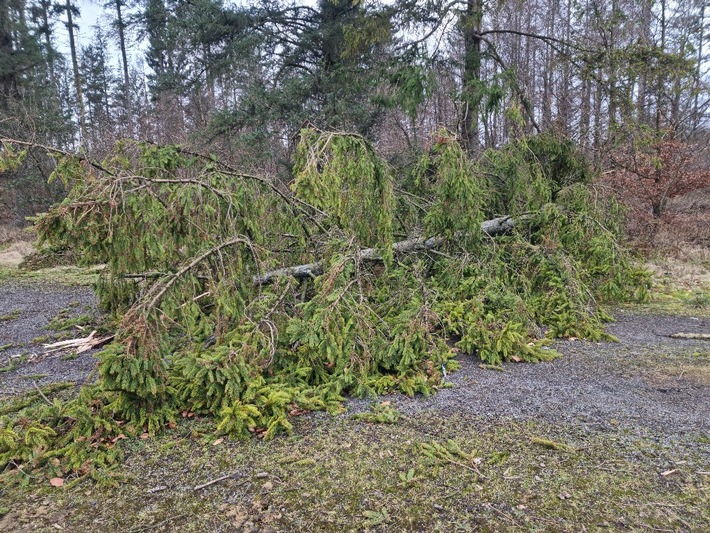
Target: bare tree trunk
{"type": "Point", "coordinates": [75, 67]}
{"type": "Point", "coordinates": [645, 39]}
{"type": "Point", "coordinates": [585, 98]}
{"type": "Point", "coordinates": [698, 74]}
{"type": "Point", "coordinates": [121, 27]}
{"type": "Point", "coordinates": [471, 22]}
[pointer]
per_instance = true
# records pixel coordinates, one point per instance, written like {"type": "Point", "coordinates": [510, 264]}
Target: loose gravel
{"type": "Point", "coordinates": [34, 306]}
{"type": "Point", "coordinates": [645, 382]}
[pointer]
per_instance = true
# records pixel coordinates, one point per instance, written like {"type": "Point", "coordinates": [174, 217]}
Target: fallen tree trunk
{"type": "Point", "coordinates": [492, 228]}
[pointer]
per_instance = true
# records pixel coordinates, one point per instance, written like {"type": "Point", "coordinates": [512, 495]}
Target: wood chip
{"type": "Point", "coordinates": [691, 336]}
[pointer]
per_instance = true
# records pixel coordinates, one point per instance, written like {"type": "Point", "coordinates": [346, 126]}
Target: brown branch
{"type": "Point", "coordinates": [161, 289]}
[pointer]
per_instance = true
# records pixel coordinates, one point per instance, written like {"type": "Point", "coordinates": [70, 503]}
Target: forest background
{"type": "Point", "coordinates": [626, 81]}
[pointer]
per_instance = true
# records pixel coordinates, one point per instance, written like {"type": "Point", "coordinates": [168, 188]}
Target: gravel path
{"type": "Point", "coordinates": [645, 381]}
{"type": "Point", "coordinates": [34, 306]}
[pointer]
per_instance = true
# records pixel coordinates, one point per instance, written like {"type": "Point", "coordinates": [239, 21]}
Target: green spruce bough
{"type": "Point", "coordinates": [183, 237]}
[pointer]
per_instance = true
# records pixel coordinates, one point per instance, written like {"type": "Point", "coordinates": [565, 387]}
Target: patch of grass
{"type": "Point", "coordinates": [6, 347]}
{"type": "Point", "coordinates": [63, 322]}
{"type": "Point", "coordinates": [381, 413]}
{"type": "Point", "coordinates": [12, 315]}
{"type": "Point", "coordinates": [42, 339]}
{"type": "Point", "coordinates": [334, 475]}
{"type": "Point", "coordinates": [671, 369]}
{"type": "Point", "coordinates": [679, 288]}
{"type": "Point", "coordinates": [63, 275]}
{"type": "Point", "coordinates": [14, 362]}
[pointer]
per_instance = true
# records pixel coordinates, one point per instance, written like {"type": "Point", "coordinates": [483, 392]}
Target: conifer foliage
{"type": "Point", "coordinates": [186, 239]}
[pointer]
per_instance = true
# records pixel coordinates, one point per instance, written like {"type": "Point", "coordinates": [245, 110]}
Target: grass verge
{"type": "Point", "coordinates": [336, 474]}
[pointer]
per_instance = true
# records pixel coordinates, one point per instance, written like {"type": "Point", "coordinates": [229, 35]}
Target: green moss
{"type": "Point", "coordinates": [12, 315]}
{"type": "Point", "coordinates": [382, 413]}
{"type": "Point", "coordinates": [64, 275]}
{"type": "Point", "coordinates": [339, 476]}
{"type": "Point", "coordinates": [63, 322]}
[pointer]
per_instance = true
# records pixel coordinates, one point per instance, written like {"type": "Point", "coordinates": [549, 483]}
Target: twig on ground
{"type": "Point", "coordinates": [41, 393]}
{"type": "Point", "coordinates": [216, 480]}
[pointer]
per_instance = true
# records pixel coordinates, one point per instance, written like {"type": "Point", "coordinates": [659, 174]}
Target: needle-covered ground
{"type": "Point", "coordinates": [612, 436]}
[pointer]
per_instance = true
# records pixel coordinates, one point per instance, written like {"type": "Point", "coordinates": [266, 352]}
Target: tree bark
{"type": "Point", "coordinates": [471, 22]}
{"type": "Point", "coordinates": [121, 27]}
{"type": "Point", "coordinates": [75, 68]}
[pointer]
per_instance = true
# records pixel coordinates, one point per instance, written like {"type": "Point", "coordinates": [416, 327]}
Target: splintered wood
{"type": "Point", "coordinates": [83, 344]}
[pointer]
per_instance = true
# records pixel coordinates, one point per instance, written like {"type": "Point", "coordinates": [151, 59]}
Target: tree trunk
{"type": "Point", "coordinates": [492, 228]}
{"type": "Point", "coordinates": [8, 81]}
{"type": "Point", "coordinates": [121, 27]}
{"type": "Point", "coordinates": [471, 22]}
{"type": "Point", "coordinates": [75, 67]}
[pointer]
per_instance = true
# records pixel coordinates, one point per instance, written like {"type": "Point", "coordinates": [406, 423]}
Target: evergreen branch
{"type": "Point", "coordinates": [159, 289]}
{"type": "Point", "coordinates": [231, 171]}
{"type": "Point", "coordinates": [57, 151]}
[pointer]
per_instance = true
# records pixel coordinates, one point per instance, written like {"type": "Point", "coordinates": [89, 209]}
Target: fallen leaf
{"type": "Point", "coordinates": [172, 425]}
{"type": "Point", "coordinates": [56, 482]}
{"type": "Point", "coordinates": [262, 475]}
{"type": "Point", "coordinates": [218, 441]}
{"type": "Point", "coordinates": [668, 472]}
{"type": "Point", "coordinates": [564, 495]}
{"type": "Point", "coordinates": [268, 485]}
{"type": "Point", "coordinates": [515, 358]}
{"type": "Point", "coordinates": [55, 461]}
{"type": "Point", "coordinates": [118, 437]}
{"type": "Point", "coordinates": [145, 436]}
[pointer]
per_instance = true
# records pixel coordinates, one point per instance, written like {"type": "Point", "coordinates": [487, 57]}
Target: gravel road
{"type": "Point", "coordinates": [646, 380]}
{"type": "Point", "coordinates": [25, 311]}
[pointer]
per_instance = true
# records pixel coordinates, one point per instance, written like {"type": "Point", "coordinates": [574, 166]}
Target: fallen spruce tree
{"type": "Point", "coordinates": [239, 298]}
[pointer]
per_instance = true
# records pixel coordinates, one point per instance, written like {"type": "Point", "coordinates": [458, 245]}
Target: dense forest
{"type": "Point", "coordinates": [295, 203]}
{"type": "Point", "coordinates": [616, 77]}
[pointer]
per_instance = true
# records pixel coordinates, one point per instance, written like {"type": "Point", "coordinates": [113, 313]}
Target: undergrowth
{"type": "Point", "coordinates": [185, 239]}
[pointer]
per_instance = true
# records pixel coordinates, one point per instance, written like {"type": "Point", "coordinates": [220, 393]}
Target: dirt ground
{"type": "Point", "coordinates": [626, 414]}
